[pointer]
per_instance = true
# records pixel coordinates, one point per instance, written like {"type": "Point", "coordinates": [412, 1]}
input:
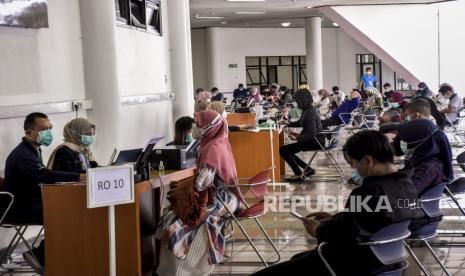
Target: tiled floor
{"type": "Point", "coordinates": [291, 238]}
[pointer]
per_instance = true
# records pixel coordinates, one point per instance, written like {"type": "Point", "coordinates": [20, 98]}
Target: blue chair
{"type": "Point", "coordinates": [429, 202]}
{"type": "Point", "coordinates": [387, 245]}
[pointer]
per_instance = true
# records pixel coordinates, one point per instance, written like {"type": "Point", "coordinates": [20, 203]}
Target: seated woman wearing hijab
{"type": "Point", "coordinates": [74, 155]}
{"type": "Point", "coordinates": [307, 139]}
{"type": "Point", "coordinates": [195, 250]}
{"type": "Point", "coordinates": [221, 109]}
{"type": "Point", "coordinates": [182, 131]}
{"type": "Point", "coordinates": [428, 154]}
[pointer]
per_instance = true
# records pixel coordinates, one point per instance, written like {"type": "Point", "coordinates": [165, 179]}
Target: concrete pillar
{"type": "Point", "coordinates": [98, 27]}
{"type": "Point", "coordinates": [181, 57]}
{"type": "Point", "coordinates": [213, 58]}
{"type": "Point", "coordinates": [314, 52]}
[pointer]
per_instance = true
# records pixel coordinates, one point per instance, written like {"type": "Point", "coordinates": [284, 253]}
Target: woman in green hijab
{"type": "Point", "coordinates": [74, 155]}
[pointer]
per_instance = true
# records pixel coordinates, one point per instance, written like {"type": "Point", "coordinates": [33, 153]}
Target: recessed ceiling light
{"type": "Point", "coordinates": [250, 12]}
{"type": "Point", "coordinates": [308, 7]}
{"type": "Point", "coordinates": [224, 22]}
{"type": "Point", "coordinates": [286, 24]}
{"type": "Point", "coordinates": [208, 17]}
{"type": "Point", "coordinates": [335, 24]}
{"type": "Point", "coordinates": [246, 0]}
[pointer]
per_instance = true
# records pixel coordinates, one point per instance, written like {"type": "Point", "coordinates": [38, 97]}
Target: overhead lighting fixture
{"type": "Point", "coordinates": [286, 24]}
{"type": "Point", "coordinates": [335, 24]}
{"type": "Point", "coordinates": [250, 12]}
{"type": "Point", "coordinates": [224, 22]}
{"type": "Point", "coordinates": [208, 17]}
{"type": "Point", "coordinates": [246, 0]}
{"type": "Point", "coordinates": [308, 7]}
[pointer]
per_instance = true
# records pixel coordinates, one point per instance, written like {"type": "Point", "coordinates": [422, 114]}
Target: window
{"type": "Point", "coordinates": [145, 14]}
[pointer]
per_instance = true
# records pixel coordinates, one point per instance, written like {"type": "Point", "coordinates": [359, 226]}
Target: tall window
{"type": "Point", "coordinates": [145, 14]}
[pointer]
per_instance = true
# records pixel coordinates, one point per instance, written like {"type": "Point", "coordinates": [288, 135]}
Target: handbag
{"type": "Point", "coordinates": [188, 204]}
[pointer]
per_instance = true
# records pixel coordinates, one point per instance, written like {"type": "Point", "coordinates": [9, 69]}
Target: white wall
{"type": "Point", "coordinates": [409, 33]}
{"type": "Point", "coordinates": [234, 44]}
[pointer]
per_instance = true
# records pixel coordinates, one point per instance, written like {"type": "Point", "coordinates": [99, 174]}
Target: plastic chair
{"type": "Point", "coordinates": [387, 245]}
{"type": "Point", "coordinates": [429, 201]}
{"type": "Point", "coordinates": [258, 187]}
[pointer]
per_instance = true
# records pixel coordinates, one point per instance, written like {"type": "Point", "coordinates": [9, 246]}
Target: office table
{"type": "Point", "coordinates": [77, 240]}
{"type": "Point", "coordinates": [252, 152]}
{"type": "Point", "coordinates": [236, 119]}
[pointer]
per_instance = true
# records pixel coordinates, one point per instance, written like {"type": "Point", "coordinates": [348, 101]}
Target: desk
{"type": "Point", "coordinates": [77, 238]}
{"type": "Point", "coordinates": [252, 152]}
{"type": "Point", "coordinates": [236, 119]}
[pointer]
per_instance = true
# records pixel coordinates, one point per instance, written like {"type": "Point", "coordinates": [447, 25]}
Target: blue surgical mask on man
{"type": "Point", "coordinates": [189, 138]}
{"type": "Point", "coordinates": [356, 177]}
{"type": "Point", "coordinates": [45, 137]}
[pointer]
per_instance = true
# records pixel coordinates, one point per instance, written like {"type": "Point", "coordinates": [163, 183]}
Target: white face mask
{"type": "Point", "coordinates": [224, 115]}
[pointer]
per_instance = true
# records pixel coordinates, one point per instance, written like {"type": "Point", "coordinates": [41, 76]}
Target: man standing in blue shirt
{"type": "Point", "coordinates": [368, 79]}
{"type": "Point", "coordinates": [25, 171]}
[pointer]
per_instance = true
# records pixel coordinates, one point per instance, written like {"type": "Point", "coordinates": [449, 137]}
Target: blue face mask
{"type": "Point", "coordinates": [189, 138]}
{"type": "Point", "coordinates": [395, 105]}
{"type": "Point", "coordinates": [87, 140]}
{"type": "Point", "coordinates": [356, 177]}
{"type": "Point", "coordinates": [45, 137]}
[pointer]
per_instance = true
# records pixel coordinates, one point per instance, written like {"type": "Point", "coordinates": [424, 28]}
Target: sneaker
{"type": "Point", "coordinates": [33, 263]}
{"type": "Point", "coordinates": [309, 172]}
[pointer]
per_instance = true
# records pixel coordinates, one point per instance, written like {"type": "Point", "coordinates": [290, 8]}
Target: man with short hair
{"type": "Point", "coordinates": [240, 92]}
{"type": "Point", "coordinates": [455, 103]}
{"type": "Point", "coordinates": [368, 79]}
{"type": "Point", "coordinates": [25, 171]}
{"type": "Point", "coordinates": [387, 91]}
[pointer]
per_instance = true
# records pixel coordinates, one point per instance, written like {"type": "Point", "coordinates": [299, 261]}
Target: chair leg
{"type": "Point", "coordinates": [243, 231]}
{"type": "Point", "coordinates": [269, 240]}
{"type": "Point", "coordinates": [19, 231]}
{"type": "Point", "coordinates": [28, 246]}
{"type": "Point", "coordinates": [454, 199]}
{"type": "Point", "coordinates": [6, 253]}
{"type": "Point", "coordinates": [437, 258]}
{"type": "Point", "coordinates": [415, 258]}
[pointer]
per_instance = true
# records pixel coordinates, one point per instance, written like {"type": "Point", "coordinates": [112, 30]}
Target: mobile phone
{"type": "Point", "coordinates": [297, 215]}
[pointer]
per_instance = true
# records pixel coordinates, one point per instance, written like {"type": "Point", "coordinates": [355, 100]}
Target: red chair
{"type": "Point", "coordinates": [257, 185]}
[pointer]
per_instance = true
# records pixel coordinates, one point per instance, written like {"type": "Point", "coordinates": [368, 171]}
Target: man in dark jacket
{"type": "Point", "coordinates": [25, 171]}
{"type": "Point", "coordinates": [371, 156]}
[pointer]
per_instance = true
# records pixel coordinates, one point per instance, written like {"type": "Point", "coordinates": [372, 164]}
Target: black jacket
{"type": "Point", "coordinates": [67, 160]}
{"type": "Point", "coordinates": [311, 125]}
{"type": "Point", "coordinates": [24, 171]}
{"type": "Point", "coordinates": [345, 229]}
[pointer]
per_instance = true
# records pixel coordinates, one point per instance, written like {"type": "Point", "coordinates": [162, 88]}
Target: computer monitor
{"type": "Point", "coordinates": [128, 156]}
{"type": "Point", "coordinates": [147, 151]}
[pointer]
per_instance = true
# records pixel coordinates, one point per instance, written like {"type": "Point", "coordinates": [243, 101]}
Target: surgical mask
{"type": "Point", "coordinates": [387, 89]}
{"type": "Point", "coordinates": [45, 137]}
{"type": "Point", "coordinates": [189, 138]}
{"type": "Point", "coordinates": [408, 118]}
{"type": "Point", "coordinates": [224, 114]}
{"type": "Point", "coordinates": [197, 133]}
{"type": "Point", "coordinates": [405, 149]}
{"type": "Point", "coordinates": [395, 105]}
{"type": "Point", "coordinates": [87, 140]}
{"type": "Point", "coordinates": [356, 177]}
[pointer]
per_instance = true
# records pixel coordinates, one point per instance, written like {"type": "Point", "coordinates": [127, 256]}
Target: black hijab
{"type": "Point", "coordinates": [429, 142]}
{"type": "Point", "coordinates": [303, 98]}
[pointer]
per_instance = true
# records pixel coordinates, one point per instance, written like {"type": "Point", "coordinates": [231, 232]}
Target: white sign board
{"type": "Point", "coordinates": [107, 186]}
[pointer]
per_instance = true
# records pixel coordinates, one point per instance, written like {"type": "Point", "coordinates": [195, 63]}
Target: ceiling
{"type": "Point", "coordinates": [277, 11]}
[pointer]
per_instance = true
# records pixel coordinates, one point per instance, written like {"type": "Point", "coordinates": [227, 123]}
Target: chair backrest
{"type": "Point", "coordinates": [461, 160]}
{"type": "Point", "coordinates": [259, 183]}
{"type": "Point", "coordinates": [429, 200]}
{"type": "Point", "coordinates": [6, 201]}
{"type": "Point", "coordinates": [387, 244]}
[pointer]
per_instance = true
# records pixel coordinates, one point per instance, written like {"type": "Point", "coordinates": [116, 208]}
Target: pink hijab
{"type": "Point", "coordinates": [215, 150]}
